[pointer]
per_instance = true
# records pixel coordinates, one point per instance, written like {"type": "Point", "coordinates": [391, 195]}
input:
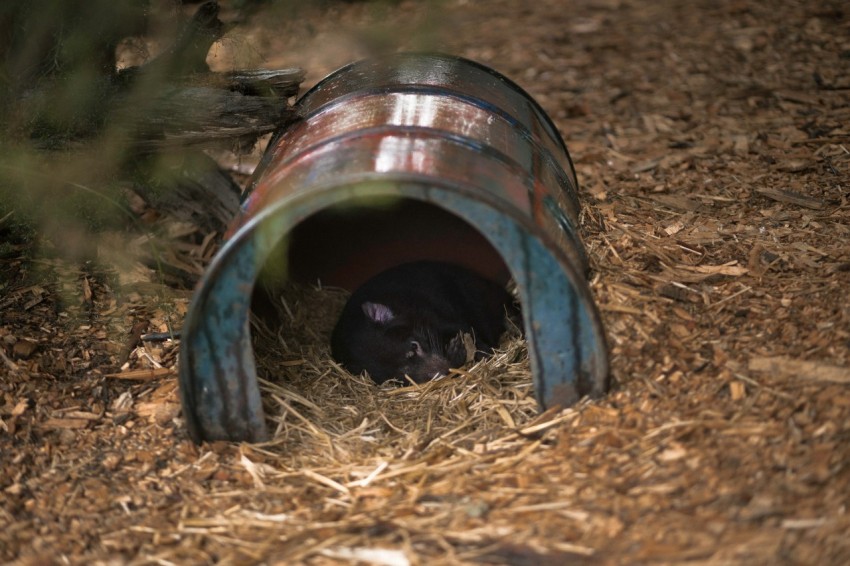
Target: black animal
{"type": "Point", "coordinates": [409, 320]}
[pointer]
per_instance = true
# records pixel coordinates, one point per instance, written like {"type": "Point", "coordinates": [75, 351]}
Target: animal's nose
{"type": "Point", "coordinates": [434, 366]}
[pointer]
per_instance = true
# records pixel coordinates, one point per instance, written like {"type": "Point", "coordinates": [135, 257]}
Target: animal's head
{"type": "Point", "coordinates": [398, 346]}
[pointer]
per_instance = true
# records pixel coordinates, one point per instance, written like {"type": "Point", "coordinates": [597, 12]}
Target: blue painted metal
{"type": "Point", "coordinates": [426, 128]}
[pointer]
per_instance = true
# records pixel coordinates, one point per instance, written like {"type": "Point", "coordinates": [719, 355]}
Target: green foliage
{"type": "Point", "coordinates": [61, 37]}
{"type": "Point", "coordinates": [61, 165]}
{"type": "Point", "coordinates": [57, 58]}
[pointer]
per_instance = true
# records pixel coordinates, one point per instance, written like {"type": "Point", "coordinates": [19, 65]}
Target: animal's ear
{"type": "Point", "coordinates": [378, 313]}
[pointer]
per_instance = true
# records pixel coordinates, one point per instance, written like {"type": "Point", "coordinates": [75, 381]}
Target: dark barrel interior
{"type": "Point", "coordinates": [344, 245]}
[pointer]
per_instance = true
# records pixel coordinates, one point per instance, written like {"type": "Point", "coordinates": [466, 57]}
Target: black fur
{"type": "Point", "coordinates": [409, 320]}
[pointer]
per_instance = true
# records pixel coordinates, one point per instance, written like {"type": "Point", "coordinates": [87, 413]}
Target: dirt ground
{"type": "Point", "coordinates": [712, 144]}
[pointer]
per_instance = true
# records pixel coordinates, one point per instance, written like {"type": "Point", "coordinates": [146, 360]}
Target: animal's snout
{"type": "Point", "coordinates": [428, 367]}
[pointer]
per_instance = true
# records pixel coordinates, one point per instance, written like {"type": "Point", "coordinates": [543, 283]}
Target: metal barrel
{"type": "Point", "coordinates": [394, 159]}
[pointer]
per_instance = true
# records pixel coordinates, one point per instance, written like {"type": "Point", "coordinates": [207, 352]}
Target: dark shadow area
{"type": "Point", "coordinates": [345, 245]}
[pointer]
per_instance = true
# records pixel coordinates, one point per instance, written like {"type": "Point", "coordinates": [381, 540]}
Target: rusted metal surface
{"type": "Point", "coordinates": [415, 136]}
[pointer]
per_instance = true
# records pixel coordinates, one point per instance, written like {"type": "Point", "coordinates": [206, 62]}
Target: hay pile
{"type": "Point", "coordinates": [355, 469]}
{"type": "Point", "coordinates": [316, 402]}
{"type": "Point", "coordinates": [711, 142]}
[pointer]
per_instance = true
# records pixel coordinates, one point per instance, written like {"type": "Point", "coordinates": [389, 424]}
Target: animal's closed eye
{"type": "Point", "coordinates": [415, 349]}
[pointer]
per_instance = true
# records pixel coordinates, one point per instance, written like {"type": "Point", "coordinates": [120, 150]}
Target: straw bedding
{"type": "Point", "coordinates": [711, 142]}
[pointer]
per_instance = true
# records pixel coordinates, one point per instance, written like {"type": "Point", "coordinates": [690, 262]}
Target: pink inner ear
{"type": "Point", "coordinates": [378, 313]}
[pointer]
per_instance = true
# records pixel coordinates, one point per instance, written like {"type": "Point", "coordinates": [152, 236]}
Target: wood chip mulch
{"type": "Point", "coordinates": [713, 147]}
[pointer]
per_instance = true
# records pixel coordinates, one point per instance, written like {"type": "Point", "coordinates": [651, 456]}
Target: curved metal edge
{"type": "Point", "coordinates": [266, 159]}
{"type": "Point", "coordinates": [219, 390]}
{"type": "Point", "coordinates": [566, 341]}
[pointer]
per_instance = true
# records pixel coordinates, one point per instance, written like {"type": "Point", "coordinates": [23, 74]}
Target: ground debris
{"type": "Point", "coordinates": [714, 177]}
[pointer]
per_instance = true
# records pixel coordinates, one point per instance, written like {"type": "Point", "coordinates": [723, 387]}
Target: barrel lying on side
{"type": "Point", "coordinates": [393, 160]}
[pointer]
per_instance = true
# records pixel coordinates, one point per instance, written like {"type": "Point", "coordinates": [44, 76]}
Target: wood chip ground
{"type": "Point", "coordinates": [712, 143]}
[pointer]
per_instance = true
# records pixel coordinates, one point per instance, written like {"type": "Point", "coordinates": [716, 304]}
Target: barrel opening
{"type": "Point", "coordinates": [343, 245]}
